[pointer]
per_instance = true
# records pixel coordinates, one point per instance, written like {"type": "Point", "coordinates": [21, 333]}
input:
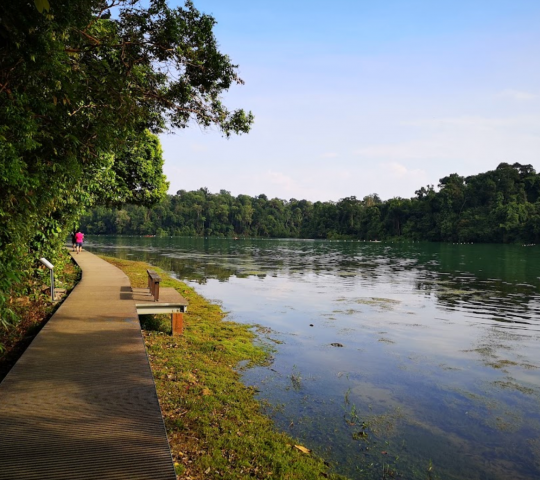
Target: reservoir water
{"type": "Point", "coordinates": [389, 360]}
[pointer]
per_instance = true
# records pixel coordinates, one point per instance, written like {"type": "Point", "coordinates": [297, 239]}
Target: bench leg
{"type": "Point", "coordinates": [177, 320]}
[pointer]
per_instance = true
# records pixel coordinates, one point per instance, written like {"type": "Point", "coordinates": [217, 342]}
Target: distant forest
{"type": "Point", "coordinates": [498, 206]}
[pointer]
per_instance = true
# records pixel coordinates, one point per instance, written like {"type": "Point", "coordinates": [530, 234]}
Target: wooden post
{"type": "Point", "coordinates": [177, 321]}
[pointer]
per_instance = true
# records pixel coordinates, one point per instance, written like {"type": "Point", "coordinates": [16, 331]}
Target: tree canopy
{"type": "Point", "coordinates": [84, 87]}
{"type": "Point", "coordinates": [502, 205]}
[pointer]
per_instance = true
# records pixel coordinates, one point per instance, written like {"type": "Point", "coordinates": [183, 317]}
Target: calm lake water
{"type": "Point", "coordinates": [410, 360]}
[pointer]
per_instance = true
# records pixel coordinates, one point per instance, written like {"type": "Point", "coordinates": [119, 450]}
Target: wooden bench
{"type": "Point", "coordinates": [153, 284]}
{"type": "Point", "coordinates": [166, 300]}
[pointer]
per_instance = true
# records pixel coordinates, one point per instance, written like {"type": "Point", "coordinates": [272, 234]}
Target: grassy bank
{"type": "Point", "coordinates": [214, 423]}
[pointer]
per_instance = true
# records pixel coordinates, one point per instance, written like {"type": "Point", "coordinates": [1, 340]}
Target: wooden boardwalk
{"type": "Point", "coordinates": [81, 402]}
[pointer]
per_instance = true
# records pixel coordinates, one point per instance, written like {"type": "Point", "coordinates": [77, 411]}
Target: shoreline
{"type": "Point", "coordinates": [214, 422]}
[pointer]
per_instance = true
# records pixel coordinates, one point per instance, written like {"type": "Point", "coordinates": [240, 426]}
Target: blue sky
{"type": "Point", "coordinates": [373, 96]}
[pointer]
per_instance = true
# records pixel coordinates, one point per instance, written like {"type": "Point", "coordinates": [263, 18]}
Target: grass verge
{"type": "Point", "coordinates": [214, 423]}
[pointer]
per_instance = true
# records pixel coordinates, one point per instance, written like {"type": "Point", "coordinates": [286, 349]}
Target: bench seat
{"type": "Point", "coordinates": [170, 301]}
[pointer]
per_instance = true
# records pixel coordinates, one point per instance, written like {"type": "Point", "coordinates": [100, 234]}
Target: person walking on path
{"type": "Point", "coordinates": [79, 238]}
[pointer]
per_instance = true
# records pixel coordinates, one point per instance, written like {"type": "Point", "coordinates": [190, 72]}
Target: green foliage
{"type": "Point", "coordinates": [502, 205]}
{"type": "Point", "coordinates": [42, 5]}
{"type": "Point", "coordinates": [135, 175]}
{"type": "Point", "coordinates": [81, 89]}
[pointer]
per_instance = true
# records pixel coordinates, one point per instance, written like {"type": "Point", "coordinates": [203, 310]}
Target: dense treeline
{"type": "Point", "coordinates": [502, 205]}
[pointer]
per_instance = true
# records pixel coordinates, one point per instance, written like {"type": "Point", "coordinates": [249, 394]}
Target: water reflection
{"type": "Point", "coordinates": [438, 374]}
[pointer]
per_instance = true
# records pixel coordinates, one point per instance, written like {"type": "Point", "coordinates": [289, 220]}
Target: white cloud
{"type": "Point", "coordinates": [396, 169]}
{"type": "Point", "coordinates": [402, 181]}
{"type": "Point", "coordinates": [387, 179]}
{"type": "Point", "coordinates": [466, 122]}
{"type": "Point", "coordinates": [423, 149]}
{"type": "Point", "coordinates": [481, 142]}
{"type": "Point", "coordinates": [517, 95]}
{"type": "Point", "coordinates": [295, 184]}
{"type": "Point", "coordinates": [319, 184]}
{"type": "Point", "coordinates": [400, 171]}
{"type": "Point", "coordinates": [280, 180]}
{"type": "Point", "coordinates": [329, 155]}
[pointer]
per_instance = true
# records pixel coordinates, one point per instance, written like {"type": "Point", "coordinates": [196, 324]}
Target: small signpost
{"type": "Point", "coordinates": [50, 266]}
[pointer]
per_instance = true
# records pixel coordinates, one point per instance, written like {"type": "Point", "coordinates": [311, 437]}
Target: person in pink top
{"type": "Point", "coordinates": [79, 238]}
